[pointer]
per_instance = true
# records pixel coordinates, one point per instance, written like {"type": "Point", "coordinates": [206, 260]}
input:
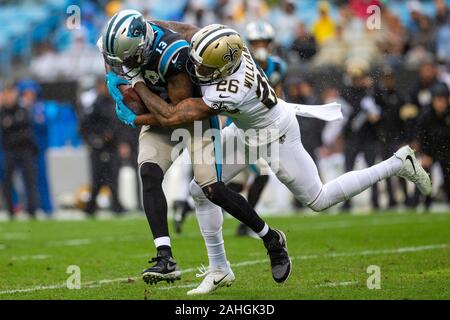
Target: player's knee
{"type": "Point", "coordinates": [151, 176]}
{"type": "Point", "coordinates": [316, 207]}
{"type": "Point", "coordinates": [215, 192]}
{"type": "Point", "coordinates": [320, 203]}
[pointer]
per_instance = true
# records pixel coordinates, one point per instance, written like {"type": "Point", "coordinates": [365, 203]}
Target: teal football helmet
{"type": "Point", "coordinates": [126, 41]}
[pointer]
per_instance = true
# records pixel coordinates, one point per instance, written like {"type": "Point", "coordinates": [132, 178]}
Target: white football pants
{"type": "Point", "coordinates": [295, 168]}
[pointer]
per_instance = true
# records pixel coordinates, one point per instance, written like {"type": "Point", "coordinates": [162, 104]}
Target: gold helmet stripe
{"type": "Point", "coordinates": [205, 42]}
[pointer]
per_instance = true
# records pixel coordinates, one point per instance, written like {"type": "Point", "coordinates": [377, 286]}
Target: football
{"type": "Point", "coordinates": [132, 100]}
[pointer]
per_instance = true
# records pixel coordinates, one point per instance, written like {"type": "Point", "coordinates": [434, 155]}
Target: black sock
{"type": "Point", "coordinates": [164, 251]}
{"type": "Point", "coordinates": [234, 204]}
{"type": "Point", "coordinates": [155, 203]}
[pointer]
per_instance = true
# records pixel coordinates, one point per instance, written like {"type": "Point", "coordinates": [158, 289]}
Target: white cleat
{"type": "Point", "coordinates": [214, 279]}
{"type": "Point", "coordinates": [412, 170]}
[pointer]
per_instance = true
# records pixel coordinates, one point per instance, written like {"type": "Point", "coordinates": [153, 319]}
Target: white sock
{"type": "Point", "coordinates": [210, 219]}
{"type": "Point", "coordinates": [354, 182]}
{"type": "Point", "coordinates": [162, 241]}
{"type": "Point", "coordinates": [264, 231]}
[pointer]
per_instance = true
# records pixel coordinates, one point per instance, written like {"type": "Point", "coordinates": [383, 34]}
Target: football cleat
{"type": "Point", "coordinates": [279, 258]}
{"type": "Point", "coordinates": [165, 269]}
{"type": "Point", "coordinates": [412, 170]}
{"type": "Point", "coordinates": [214, 279]}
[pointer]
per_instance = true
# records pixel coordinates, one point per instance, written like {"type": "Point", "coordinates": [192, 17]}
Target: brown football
{"type": "Point", "coordinates": [132, 100]}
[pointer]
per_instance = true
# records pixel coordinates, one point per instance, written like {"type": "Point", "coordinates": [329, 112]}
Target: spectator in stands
{"type": "Point", "coordinates": [43, 66]}
{"type": "Point", "coordinates": [434, 133]}
{"type": "Point", "coordinates": [442, 22]}
{"type": "Point", "coordinates": [196, 13]}
{"type": "Point", "coordinates": [420, 95]}
{"type": "Point", "coordinates": [352, 27]}
{"type": "Point", "coordinates": [425, 36]}
{"type": "Point", "coordinates": [285, 23]}
{"type": "Point", "coordinates": [333, 52]}
{"type": "Point", "coordinates": [420, 98]}
{"type": "Point", "coordinates": [443, 43]}
{"type": "Point", "coordinates": [390, 127]}
{"type": "Point", "coordinates": [101, 131]}
{"type": "Point", "coordinates": [29, 92]}
{"type": "Point", "coordinates": [394, 40]}
{"type": "Point", "coordinates": [359, 132]}
{"type": "Point", "coordinates": [324, 28]}
{"type": "Point", "coordinates": [19, 149]}
{"type": "Point", "coordinates": [304, 43]}
{"type": "Point", "coordinates": [442, 13]}
{"type": "Point", "coordinates": [415, 9]}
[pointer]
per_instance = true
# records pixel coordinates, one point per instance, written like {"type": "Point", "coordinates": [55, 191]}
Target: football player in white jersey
{"type": "Point", "coordinates": [235, 87]}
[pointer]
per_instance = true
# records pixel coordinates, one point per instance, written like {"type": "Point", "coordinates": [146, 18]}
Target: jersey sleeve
{"type": "Point", "coordinates": [174, 59]}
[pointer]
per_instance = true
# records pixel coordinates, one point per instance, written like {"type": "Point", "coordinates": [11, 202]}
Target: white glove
{"type": "Point", "coordinates": [137, 78]}
{"type": "Point", "coordinates": [134, 76]}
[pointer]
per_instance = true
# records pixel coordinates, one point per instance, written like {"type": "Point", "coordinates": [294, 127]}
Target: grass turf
{"type": "Point", "coordinates": [331, 257]}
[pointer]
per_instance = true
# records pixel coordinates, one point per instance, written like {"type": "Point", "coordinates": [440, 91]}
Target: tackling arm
{"type": "Point", "coordinates": [169, 115]}
{"type": "Point", "coordinates": [148, 119]}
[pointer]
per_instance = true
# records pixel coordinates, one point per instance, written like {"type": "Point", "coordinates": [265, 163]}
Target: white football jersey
{"type": "Point", "coordinates": [248, 99]}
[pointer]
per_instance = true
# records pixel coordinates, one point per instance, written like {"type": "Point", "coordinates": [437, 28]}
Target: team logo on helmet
{"type": "Point", "coordinates": [137, 27]}
{"type": "Point", "coordinates": [231, 54]}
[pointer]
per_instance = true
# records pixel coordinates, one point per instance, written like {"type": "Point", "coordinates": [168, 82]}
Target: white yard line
{"type": "Point", "coordinates": [32, 257]}
{"type": "Point", "coordinates": [356, 223]}
{"type": "Point", "coordinates": [38, 288]}
{"type": "Point", "coordinates": [336, 284]}
{"type": "Point", "coordinates": [14, 236]}
{"type": "Point", "coordinates": [93, 284]}
{"type": "Point", "coordinates": [69, 243]}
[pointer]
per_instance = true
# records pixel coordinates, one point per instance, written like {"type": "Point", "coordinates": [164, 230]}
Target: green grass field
{"type": "Point", "coordinates": [331, 256]}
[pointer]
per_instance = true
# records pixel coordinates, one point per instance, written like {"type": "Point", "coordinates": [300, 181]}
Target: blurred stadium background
{"type": "Point", "coordinates": [54, 71]}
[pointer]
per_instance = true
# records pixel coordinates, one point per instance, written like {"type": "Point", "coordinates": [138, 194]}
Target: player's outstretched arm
{"type": "Point", "coordinates": [185, 30]}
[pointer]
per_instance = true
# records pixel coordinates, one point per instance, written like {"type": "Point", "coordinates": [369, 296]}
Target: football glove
{"type": "Point", "coordinates": [125, 114]}
{"type": "Point", "coordinates": [113, 81]}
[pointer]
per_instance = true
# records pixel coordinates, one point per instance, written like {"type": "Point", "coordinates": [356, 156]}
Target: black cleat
{"type": "Point", "coordinates": [165, 269]}
{"type": "Point", "coordinates": [279, 257]}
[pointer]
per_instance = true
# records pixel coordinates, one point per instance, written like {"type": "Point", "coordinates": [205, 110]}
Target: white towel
{"type": "Point", "coordinates": [327, 112]}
